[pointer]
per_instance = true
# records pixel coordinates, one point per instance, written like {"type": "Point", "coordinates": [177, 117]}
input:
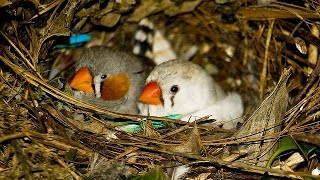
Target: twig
{"type": "Point", "coordinates": [19, 52]}
{"type": "Point", "coordinates": [265, 61]}
{"type": "Point", "coordinates": [314, 75]}
{"type": "Point", "coordinates": [63, 164]}
{"type": "Point", "coordinates": [263, 13]}
{"type": "Point", "coordinates": [236, 165]}
{"type": "Point", "coordinates": [58, 142]}
{"type": "Point", "coordinates": [12, 136]}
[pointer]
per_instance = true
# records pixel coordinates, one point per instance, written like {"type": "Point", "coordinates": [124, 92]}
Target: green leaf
{"type": "Point", "coordinates": [286, 144]}
{"type": "Point", "coordinates": [307, 178]}
{"type": "Point", "coordinates": [306, 149]}
{"type": "Point", "coordinates": [265, 176]}
{"type": "Point", "coordinates": [156, 174]}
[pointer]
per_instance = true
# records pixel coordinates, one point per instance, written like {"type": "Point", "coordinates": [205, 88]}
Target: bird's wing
{"type": "Point", "coordinates": [227, 111]}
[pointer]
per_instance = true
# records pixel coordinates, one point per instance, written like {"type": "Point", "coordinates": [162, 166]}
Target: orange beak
{"type": "Point", "coordinates": [82, 81]}
{"type": "Point", "coordinates": [151, 94]}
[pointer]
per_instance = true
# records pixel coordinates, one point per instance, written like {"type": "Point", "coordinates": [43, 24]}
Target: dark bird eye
{"type": "Point", "coordinates": [174, 89]}
{"type": "Point", "coordinates": [103, 76]}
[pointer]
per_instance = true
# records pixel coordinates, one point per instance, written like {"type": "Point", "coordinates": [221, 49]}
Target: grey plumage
{"type": "Point", "coordinates": [106, 61]}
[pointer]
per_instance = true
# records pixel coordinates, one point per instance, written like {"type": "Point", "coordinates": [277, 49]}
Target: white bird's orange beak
{"type": "Point", "coordinates": [82, 81]}
{"type": "Point", "coordinates": [151, 94]}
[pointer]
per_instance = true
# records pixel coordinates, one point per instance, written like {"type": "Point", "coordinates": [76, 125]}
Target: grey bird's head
{"type": "Point", "coordinates": [108, 78]}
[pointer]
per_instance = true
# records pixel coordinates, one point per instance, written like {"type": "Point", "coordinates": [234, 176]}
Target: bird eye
{"type": "Point", "coordinates": [103, 76]}
{"type": "Point", "coordinates": [174, 89]}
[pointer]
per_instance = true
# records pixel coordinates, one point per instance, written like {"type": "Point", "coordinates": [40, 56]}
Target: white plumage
{"type": "Point", "coordinates": [187, 89]}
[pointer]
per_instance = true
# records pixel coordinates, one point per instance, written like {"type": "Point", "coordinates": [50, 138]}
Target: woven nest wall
{"type": "Point", "coordinates": [265, 50]}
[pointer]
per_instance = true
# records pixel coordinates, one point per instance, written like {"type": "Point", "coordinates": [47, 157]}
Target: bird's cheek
{"type": "Point", "coordinates": [82, 81]}
{"type": "Point", "coordinates": [115, 87]}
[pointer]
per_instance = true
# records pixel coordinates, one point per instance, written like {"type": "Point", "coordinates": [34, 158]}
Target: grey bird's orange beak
{"type": "Point", "coordinates": [82, 81]}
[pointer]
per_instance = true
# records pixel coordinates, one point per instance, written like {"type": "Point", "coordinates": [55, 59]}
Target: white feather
{"type": "Point", "coordinates": [179, 172]}
{"type": "Point", "coordinates": [198, 96]}
{"type": "Point", "coordinates": [227, 112]}
{"type": "Point", "coordinates": [162, 50]}
{"type": "Point", "coordinates": [97, 80]}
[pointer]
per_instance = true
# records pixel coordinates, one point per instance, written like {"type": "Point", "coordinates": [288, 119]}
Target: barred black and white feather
{"type": "Point", "coordinates": [151, 43]}
{"type": "Point", "coordinates": [143, 39]}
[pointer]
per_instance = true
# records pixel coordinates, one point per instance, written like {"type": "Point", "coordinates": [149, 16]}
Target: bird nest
{"type": "Point", "coordinates": [267, 51]}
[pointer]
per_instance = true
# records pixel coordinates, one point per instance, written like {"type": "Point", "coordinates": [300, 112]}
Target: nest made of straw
{"type": "Point", "coordinates": [268, 53]}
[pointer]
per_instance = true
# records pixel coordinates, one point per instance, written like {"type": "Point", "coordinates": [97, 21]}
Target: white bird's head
{"type": "Point", "coordinates": [179, 87]}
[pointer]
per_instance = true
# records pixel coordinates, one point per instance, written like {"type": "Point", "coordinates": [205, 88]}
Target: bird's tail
{"type": "Point", "coordinates": [151, 43]}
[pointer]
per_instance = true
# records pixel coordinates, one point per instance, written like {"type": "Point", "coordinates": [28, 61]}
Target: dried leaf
{"type": "Point", "coordinates": [192, 146]}
{"type": "Point", "coordinates": [63, 62]}
{"type": "Point", "coordinates": [300, 45]}
{"type": "Point", "coordinates": [203, 176]}
{"type": "Point", "coordinates": [145, 9]}
{"type": "Point", "coordinates": [78, 123]}
{"type": "Point", "coordinates": [124, 6]}
{"type": "Point", "coordinates": [266, 120]}
{"type": "Point", "coordinates": [85, 12]}
{"type": "Point", "coordinates": [263, 13]}
{"type": "Point", "coordinates": [103, 168]}
{"type": "Point", "coordinates": [94, 127]}
{"type": "Point", "coordinates": [313, 50]}
{"type": "Point", "coordinates": [308, 138]}
{"type": "Point", "coordinates": [58, 25]}
{"type": "Point", "coordinates": [292, 162]}
{"type": "Point", "coordinates": [169, 7]}
{"type": "Point", "coordinates": [186, 6]}
{"type": "Point", "coordinates": [4, 3]}
{"type": "Point", "coordinates": [149, 131]}
{"type": "Point", "coordinates": [110, 19]}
